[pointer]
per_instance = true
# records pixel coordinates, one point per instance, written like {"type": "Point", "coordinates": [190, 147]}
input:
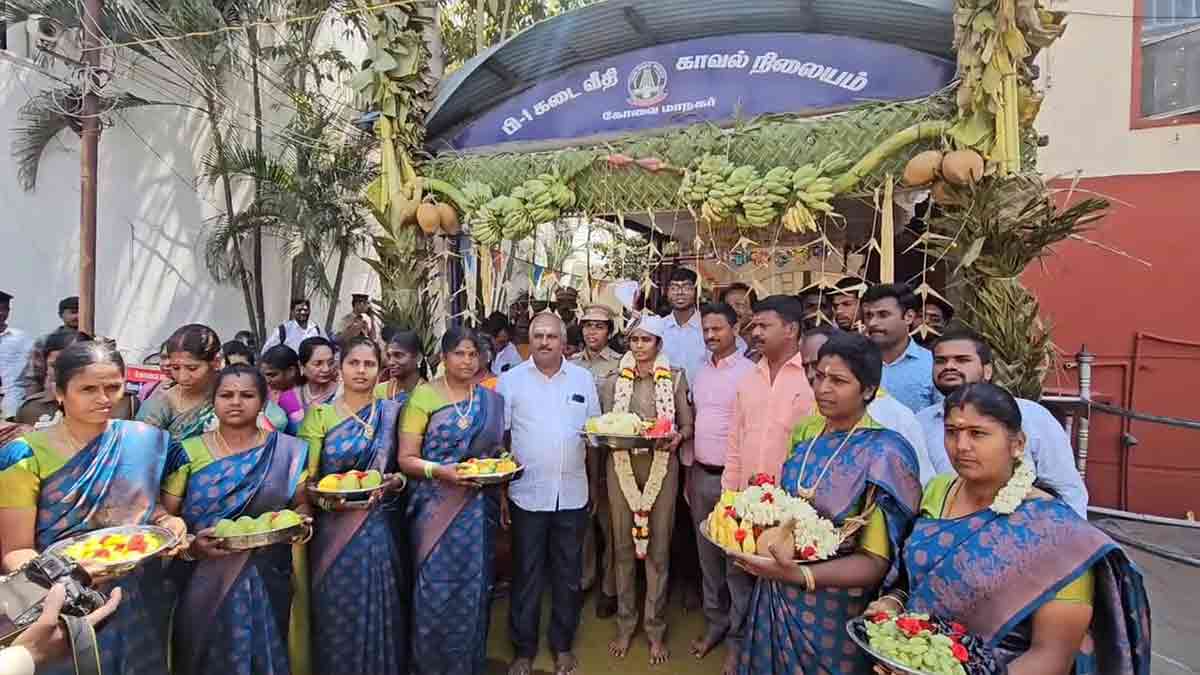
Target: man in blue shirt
{"type": "Point", "coordinates": [962, 357]}
{"type": "Point", "coordinates": [889, 311]}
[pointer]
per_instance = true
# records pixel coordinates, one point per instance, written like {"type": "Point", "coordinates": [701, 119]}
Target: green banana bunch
{"type": "Point", "coordinates": [764, 198]}
{"type": "Point", "coordinates": [477, 194]}
{"type": "Point", "coordinates": [705, 174]}
{"type": "Point", "coordinates": [812, 186]}
{"type": "Point", "coordinates": [513, 216]}
{"type": "Point", "coordinates": [486, 223]}
{"type": "Point", "coordinates": [725, 196]}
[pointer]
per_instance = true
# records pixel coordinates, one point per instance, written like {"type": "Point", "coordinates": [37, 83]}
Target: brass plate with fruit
{"type": "Point", "coordinates": [116, 551]}
{"type": "Point", "coordinates": [269, 529]}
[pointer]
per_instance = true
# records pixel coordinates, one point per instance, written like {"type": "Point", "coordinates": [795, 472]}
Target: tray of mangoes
{"type": "Point", "coordinates": [490, 470]}
{"type": "Point", "coordinates": [352, 486]}
{"type": "Point", "coordinates": [268, 529]}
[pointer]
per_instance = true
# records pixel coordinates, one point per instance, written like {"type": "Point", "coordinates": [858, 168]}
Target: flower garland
{"type": "Point", "coordinates": [642, 501]}
{"type": "Point", "coordinates": [1016, 489]}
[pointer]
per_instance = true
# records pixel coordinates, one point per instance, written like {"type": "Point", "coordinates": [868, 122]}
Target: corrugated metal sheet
{"type": "Point", "coordinates": [616, 26]}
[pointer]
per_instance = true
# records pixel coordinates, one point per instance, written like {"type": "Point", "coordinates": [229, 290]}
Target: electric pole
{"type": "Point", "coordinates": [89, 155]}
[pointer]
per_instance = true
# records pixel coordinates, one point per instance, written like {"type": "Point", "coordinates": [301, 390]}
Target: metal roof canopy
{"type": "Point", "coordinates": [614, 27]}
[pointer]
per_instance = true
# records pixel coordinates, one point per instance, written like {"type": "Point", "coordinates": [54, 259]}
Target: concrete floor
{"type": "Point", "coordinates": [592, 645]}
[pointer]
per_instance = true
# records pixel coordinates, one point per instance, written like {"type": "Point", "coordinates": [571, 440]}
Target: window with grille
{"type": "Point", "coordinates": [1170, 44]}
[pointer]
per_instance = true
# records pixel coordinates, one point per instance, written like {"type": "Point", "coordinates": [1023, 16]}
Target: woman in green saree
{"type": "Point", "coordinates": [185, 410]}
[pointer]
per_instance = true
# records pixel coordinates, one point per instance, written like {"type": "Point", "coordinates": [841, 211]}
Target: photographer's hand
{"type": "Point", "coordinates": [45, 639]}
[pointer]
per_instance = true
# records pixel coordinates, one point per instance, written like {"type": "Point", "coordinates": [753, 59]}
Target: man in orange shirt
{"type": "Point", "coordinates": [771, 399]}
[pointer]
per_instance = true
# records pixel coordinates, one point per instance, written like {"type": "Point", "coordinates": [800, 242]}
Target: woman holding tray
{"type": "Point", "coordinates": [113, 472]}
{"type": "Point", "coordinates": [847, 467]}
{"type": "Point", "coordinates": [454, 522]}
{"type": "Point", "coordinates": [996, 552]}
{"type": "Point", "coordinates": [234, 611]}
{"type": "Point", "coordinates": [359, 621]}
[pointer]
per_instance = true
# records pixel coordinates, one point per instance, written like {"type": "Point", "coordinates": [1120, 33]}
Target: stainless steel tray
{"type": "Point", "coordinates": [619, 441]}
{"type": "Point", "coordinates": [118, 569]}
{"type": "Point", "coordinates": [288, 535]}
{"type": "Point", "coordinates": [359, 495]}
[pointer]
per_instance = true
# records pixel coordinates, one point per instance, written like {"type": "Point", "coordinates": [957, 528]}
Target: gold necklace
{"type": "Point", "coordinates": [368, 424]}
{"type": "Point", "coordinates": [808, 493]}
{"type": "Point", "coordinates": [74, 443]}
{"type": "Point", "coordinates": [223, 445]}
{"type": "Point", "coordinates": [464, 417]}
{"type": "Point", "coordinates": [307, 395]}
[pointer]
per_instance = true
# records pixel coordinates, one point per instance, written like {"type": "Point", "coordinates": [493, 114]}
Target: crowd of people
{"type": "Point", "coordinates": [969, 503]}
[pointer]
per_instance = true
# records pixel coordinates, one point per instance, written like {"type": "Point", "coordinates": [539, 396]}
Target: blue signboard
{"type": "Point", "coordinates": [713, 79]}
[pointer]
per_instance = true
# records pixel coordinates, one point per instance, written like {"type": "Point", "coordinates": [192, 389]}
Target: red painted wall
{"type": "Point", "coordinates": [1105, 300]}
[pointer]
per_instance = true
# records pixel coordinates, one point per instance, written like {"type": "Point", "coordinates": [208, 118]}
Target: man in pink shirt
{"type": "Point", "coordinates": [715, 391]}
{"type": "Point", "coordinates": [771, 398]}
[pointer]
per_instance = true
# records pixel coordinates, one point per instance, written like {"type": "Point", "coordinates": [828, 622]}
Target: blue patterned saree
{"type": "Point", "coordinates": [113, 481]}
{"type": "Point", "coordinates": [993, 572]}
{"type": "Point", "coordinates": [233, 615]}
{"type": "Point", "coordinates": [453, 535]}
{"type": "Point", "coordinates": [791, 631]}
{"type": "Point", "coordinates": [360, 625]}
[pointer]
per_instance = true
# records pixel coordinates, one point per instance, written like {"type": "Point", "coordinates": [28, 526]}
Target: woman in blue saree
{"type": "Point", "coordinates": [848, 467]}
{"type": "Point", "coordinates": [234, 611]}
{"type": "Point", "coordinates": [453, 521]}
{"type": "Point", "coordinates": [359, 619]}
{"type": "Point", "coordinates": [1012, 563]}
{"type": "Point", "coordinates": [87, 473]}
{"type": "Point", "coordinates": [186, 410]}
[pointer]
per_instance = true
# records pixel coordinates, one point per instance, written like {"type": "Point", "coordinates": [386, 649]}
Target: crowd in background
{"type": "Point", "coordinates": [830, 394]}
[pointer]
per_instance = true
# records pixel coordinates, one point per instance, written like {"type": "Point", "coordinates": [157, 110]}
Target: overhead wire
{"type": "Point", "coordinates": [245, 26]}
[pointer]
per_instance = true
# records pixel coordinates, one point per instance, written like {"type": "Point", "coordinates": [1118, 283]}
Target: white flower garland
{"type": "Point", "coordinates": [1016, 489]}
{"type": "Point", "coordinates": [641, 501]}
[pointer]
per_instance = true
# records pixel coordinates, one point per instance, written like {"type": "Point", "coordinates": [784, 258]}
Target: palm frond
{"type": "Point", "coordinates": [42, 118]}
{"type": "Point", "coordinates": [239, 160]}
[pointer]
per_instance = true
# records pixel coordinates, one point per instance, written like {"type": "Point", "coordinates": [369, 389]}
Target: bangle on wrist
{"type": "Point", "coordinates": [810, 584]}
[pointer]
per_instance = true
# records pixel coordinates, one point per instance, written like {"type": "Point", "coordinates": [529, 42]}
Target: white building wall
{"type": "Point", "coordinates": [152, 216]}
{"type": "Point", "coordinates": [1088, 79]}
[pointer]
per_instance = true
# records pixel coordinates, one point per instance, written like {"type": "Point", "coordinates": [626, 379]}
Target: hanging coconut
{"type": "Point", "coordinates": [448, 218]}
{"type": "Point", "coordinates": [428, 218]}
{"type": "Point", "coordinates": [962, 167]}
{"type": "Point", "coordinates": [923, 168]}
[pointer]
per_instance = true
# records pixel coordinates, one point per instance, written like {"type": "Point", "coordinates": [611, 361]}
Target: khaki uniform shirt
{"type": "Point", "coordinates": [601, 366]}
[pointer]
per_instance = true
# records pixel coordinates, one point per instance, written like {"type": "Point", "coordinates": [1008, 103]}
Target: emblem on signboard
{"type": "Point", "coordinates": [647, 84]}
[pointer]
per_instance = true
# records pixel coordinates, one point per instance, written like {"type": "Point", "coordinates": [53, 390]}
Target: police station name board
{"type": "Point", "coordinates": [709, 79]}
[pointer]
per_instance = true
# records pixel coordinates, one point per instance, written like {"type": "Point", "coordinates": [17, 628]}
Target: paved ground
{"type": "Point", "coordinates": [1174, 590]}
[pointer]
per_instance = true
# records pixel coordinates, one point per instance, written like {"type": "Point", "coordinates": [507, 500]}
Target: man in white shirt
{"type": "Point", "coordinates": [296, 329]}
{"type": "Point", "coordinates": [547, 400]}
{"type": "Point", "coordinates": [963, 357]}
{"type": "Point", "coordinates": [15, 347]}
{"type": "Point", "coordinates": [884, 409]}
